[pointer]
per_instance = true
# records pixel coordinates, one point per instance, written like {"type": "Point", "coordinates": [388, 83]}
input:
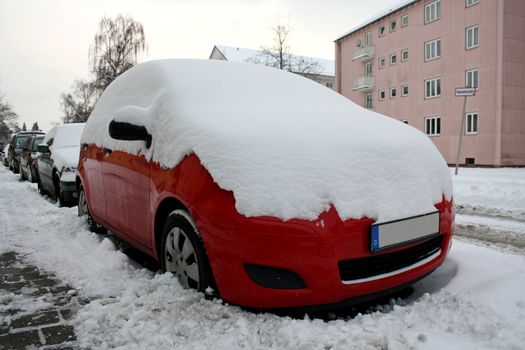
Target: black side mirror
{"type": "Point", "coordinates": [25, 149]}
{"type": "Point", "coordinates": [43, 148]}
{"type": "Point", "coordinates": [129, 132]}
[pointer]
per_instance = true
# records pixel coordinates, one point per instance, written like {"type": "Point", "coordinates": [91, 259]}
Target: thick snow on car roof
{"type": "Point", "coordinates": [284, 145]}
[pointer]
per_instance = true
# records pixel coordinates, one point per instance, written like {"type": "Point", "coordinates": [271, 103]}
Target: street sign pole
{"type": "Point", "coordinates": [461, 130]}
{"type": "Point", "coordinates": [468, 91]}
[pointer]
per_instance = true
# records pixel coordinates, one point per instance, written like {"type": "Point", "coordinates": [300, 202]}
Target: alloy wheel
{"type": "Point", "coordinates": [181, 258]}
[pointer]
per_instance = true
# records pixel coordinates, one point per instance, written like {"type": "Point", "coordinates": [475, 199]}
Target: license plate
{"type": "Point", "coordinates": [398, 232]}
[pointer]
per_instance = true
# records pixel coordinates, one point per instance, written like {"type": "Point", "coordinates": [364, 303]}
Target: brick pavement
{"type": "Point", "coordinates": [35, 308]}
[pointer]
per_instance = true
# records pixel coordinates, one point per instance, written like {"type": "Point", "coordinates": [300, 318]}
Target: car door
{"type": "Point", "coordinates": [45, 163]}
{"type": "Point", "coordinates": [127, 188]}
{"type": "Point", "coordinates": [93, 181]}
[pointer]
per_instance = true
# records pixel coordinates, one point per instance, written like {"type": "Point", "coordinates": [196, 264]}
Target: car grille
{"type": "Point", "coordinates": [355, 269]}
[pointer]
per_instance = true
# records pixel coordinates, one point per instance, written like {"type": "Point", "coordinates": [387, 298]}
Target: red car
{"type": "Point", "coordinates": [184, 160]}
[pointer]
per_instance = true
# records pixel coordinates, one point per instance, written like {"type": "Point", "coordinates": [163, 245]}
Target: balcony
{"type": "Point", "coordinates": [363, 84]}
{"type": "Point", "coordinates": [363, 54]}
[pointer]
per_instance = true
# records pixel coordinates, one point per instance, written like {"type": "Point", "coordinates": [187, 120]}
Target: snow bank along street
{"type": "Point", "coordinates": [476, 300]}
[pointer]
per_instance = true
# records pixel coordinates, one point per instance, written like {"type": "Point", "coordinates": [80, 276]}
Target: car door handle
{"type": "Point", "coordinates": [107, 151]}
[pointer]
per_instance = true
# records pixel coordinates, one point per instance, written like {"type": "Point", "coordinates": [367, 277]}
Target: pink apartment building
{"type": "Point", "coordinates": [407, 62]}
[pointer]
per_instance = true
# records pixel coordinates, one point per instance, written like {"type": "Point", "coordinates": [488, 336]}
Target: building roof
{"type": "Point", "coordinates": [239, 54]}
{"type": "Point", "coordinates": [396, 7]}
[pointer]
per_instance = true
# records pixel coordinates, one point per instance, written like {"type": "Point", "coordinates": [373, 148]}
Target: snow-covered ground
{"type": "Point", "coordinates": [490, 206]}
{"type": "Point", "coordinates": [476, 300]}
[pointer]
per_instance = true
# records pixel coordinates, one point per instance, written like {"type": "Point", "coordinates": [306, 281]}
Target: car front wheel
{"type": "Point", "coordinates": [183, 254]}
{"type": "Point", "coordinates": [83, 211]}
{"type": "Point", "coordinates": [21, 176]}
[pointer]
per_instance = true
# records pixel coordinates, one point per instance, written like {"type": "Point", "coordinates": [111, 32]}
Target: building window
{"type": "Point", "coordinates": [404, 90]}
{"type": "Point", "coordinates": [382, 95]}
{"type": "Point", "coordinates": [368, 100]}
{"type": "Point", "coordinates": [433, 126]}
{"type": "Point", "coordinates": [432, 11]}
{"type": "Point", "coordinates": [368, 69]}
{"type": "Point", "coordinates": [329, 85]}
{"type": "Point", "coordinates": [472, 78]}
{"type": "Point", "coordinates": [393, 25]}
{"type": "Point", "coordinates": [393, 59]}
{"type": "Point", "coordinates": [368, 39]}
{"type": "Point", "coordinates": [404, 21]}
{"type": "Point", "coordinates": [404, 55]}
{"type": "Point", "coordinates": [471, 124]}
{"type": "Point", "coordinates": [432, 49]}
{"type": "Point", "coordinates": [472, 37]}
{"type": "Point", "coordinates": [393, 92]}
{"type": "Point", "coordinates": [381, 62]}
{"type": "Point", "coordinates": [381, 31]}
{"type": "Point", "coordinates": [469, 3]}
{"type": "Point", "coordinates": [432, 88]}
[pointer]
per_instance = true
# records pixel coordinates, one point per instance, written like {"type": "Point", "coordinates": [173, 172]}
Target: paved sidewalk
{"type": "Point", "coordinates": [35, 308]}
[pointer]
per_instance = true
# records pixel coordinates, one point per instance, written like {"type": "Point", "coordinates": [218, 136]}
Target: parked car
{"type": "Point", "coordinates": [18, 141]}
{"type": "Point", "coordinates": [266, 186]}
{"type": "Point", "coordinates": [5, 155]}
{"type": "Point", "coordinates": [28, 160]}
{"type": "Point", "coordinates": [57, 160]}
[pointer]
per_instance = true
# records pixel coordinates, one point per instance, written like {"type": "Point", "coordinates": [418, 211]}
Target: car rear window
{"type": "Point", "coordinates": [21, 141]}
{"type": "Point", "coordinates": [36, 142]}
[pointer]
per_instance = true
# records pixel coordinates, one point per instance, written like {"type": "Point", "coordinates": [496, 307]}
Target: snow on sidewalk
{"type": "Point", "coordinates": [476, 300]}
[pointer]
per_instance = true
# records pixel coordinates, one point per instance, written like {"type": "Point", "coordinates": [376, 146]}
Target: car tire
{"type": "Point", "coordinates": [16, 168]}
{"type": "Point", "coordinates": [21, 176]}
{"type": "Point", "coordinates": [30, 176]}
{"type": "Point", "coordinates": [182, 252]}
{"type": "Point", "coordinates": [58, 191]}
{"type": "Point", "coordinates": [41, 189]}
{"type": "Point", "coordinates": [83, 211]}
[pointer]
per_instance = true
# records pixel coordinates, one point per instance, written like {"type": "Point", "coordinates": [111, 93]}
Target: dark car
{"type": "Point", "coordinates": [15, 149]}
{"type": "Point", "coordinates": [57, 161]}
{"type": "Point", "coordinates": [28, 160]}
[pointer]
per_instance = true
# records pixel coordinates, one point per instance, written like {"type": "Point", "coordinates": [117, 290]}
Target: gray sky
{"type": "Point", "coordinates": [44, 43]}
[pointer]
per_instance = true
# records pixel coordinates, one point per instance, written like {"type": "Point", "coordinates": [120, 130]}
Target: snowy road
{"type": "Point", "coordinates": [476, 300]}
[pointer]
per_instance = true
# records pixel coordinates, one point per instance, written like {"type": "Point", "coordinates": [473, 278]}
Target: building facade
{"type": "Point", "coordinates": [325, 76]}
{"type": "Point", "coordinates": [407, 62]}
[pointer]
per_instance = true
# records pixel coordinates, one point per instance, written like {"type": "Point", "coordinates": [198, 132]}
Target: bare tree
{"type": "Point", "coordinates": [279, 56]}
{"type": "Point", "coordinates": [78, 104]}
{"type": "Point", "coordinates": [116, 48]}
{"type": "Point", "coordinates": [8, 119]}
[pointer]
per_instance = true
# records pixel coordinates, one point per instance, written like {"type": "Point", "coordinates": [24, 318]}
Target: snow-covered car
{"type": "Point", "coordinates": [18, 142]}
{"type": "Point", "coordinates": [57, 159]}
{"type": "Point", "coordinates": [268, 187]}
{"type": "Point", "coordinates": [28, 160]}
{"type": "Point", "coordinates": [5, 155]}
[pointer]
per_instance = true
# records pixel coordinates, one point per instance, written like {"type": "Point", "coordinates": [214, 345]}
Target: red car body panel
{"type": "Point", "coordinates": [134, 189]}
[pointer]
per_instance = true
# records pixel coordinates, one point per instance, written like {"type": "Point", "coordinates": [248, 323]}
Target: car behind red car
{"type": "Point", "coordinates": [268, 187]}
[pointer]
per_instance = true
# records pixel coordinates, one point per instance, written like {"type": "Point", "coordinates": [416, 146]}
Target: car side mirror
{"type": "Point", "coordinates": [43, 148]}
{"type": "Point", "coordinates": [129, 132]}
{"type": "Point", "coordinates": [25, 149]}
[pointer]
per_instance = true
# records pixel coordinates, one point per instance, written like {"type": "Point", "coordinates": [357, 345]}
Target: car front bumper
{"type": "Point", "coordinates": [313, 251]}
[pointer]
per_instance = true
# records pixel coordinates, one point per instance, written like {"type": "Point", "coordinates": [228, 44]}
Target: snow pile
{"type": "Point", "coordinates": [475, 300]}
{"type": "Point", "coordinates": [286, 146]}
{"type": "Point", "coordinates": [491, 191]}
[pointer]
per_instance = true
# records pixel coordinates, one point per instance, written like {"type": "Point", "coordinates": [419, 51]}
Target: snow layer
{"type": "Point", "coordinates": [285, 145]}
{"type": "Point", "coordinates": [475, 300]}
{"type": "Point", "coordinates": [492, 191]}
{"type": "Point", "coordinates": [65, 149]}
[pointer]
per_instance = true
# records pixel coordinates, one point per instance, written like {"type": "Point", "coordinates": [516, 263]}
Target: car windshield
{"type": "Point", "coordinates": [36, 142]}
{"type": "Point", "coordinates": [21, 141]}
{"type": "Point", "coordinates": [68, 136]}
